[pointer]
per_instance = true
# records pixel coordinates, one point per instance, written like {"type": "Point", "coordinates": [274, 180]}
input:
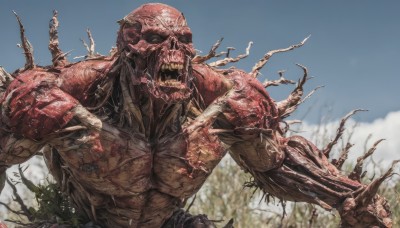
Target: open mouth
{"type": "Point", "coordinates": [171, 75]}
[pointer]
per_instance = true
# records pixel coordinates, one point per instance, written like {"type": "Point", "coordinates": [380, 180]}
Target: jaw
{"type": "Point", "coordinates": [169, 82]}
{"type": "Point", "coordinates": [171, 75]}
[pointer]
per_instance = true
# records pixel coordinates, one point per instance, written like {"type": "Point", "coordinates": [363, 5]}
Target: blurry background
{"type": "Point", "coordinates": [353, 50]}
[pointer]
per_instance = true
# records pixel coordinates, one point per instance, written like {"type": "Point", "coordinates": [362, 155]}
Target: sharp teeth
{"type": "Point", "coordinates": [172, 66]}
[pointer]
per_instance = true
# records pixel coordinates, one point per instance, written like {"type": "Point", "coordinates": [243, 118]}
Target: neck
{"type": "Point", "coordinates": [161, 118]}
{"type": "Point", "coordinates": [147, 109]}
{"type": "Point", "coordinates": [149, 115]}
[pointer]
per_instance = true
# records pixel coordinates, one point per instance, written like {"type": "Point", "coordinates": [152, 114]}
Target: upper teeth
{"type": "Point", "coordinates": [171, 66]}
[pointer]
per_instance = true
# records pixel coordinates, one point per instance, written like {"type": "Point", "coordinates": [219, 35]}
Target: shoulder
{"type": "Point", "coordinates": [73, 79]}
{"type": "Point", "coordinates": [246, 83]}
{"type": "Point", "coordinates": [210, 82]}
{"type": "Point", "coordinates": [80, 78]}
{"type": "Point", "coordinates": [29, 79]}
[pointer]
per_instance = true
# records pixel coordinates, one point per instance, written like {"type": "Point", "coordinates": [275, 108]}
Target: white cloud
{"type": "Point", "coordinates": [387, 128]}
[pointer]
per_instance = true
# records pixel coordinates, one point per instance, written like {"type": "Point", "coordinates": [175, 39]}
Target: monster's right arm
{"type": "Point", "coordinates": [32, 108]}
{"type": "Point", "coordinates": [39, 104]}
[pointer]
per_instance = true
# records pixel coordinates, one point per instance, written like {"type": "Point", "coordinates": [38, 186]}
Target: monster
{"type": "Point", "coordinates": [131, 136]}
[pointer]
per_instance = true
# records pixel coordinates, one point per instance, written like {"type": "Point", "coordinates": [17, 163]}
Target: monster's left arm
{"type": "Point", "coordinates": [290, 168]}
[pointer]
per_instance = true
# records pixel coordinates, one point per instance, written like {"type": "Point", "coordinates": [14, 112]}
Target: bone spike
{"type": "Point", "coordinates": [228, 59]}
{"type": "Point", "coordinates": [369, 192]}
{"type": "Point", "coordinates": [357, 171]}
{"type": "Point", "coordinates": [281, 80]}
{"type": "Point", "coordinates": [92, 44]}
{"type": "Point", "coordinates": [289, 105]}
{"type": "Point", "coordinates": [212, 53]}
{"type": "Point", "coordinates": [342, 157]}
{"type": "Point", "coordinates": [339, 132]}
{"type": "Point", "coordinates": [58, 57]}
{"type": "Point", "coordinates": [26, 45]}
{"type": "Point", "coordinates": [5, 78]}
{"type": "Point", "coordinates": [260, 64]}
{"type": "Point", "coordinates": [90, 48]}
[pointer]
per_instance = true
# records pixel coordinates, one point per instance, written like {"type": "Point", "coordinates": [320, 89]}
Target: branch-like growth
{"type": "Point", "coordinates": [25, 45]}
{"type": "Point", "coordinates": [211, 54]}
{"type": "Point", "coordinates": [339, 132]}
{"type": "Point", "coordinates": [260, 64]}
{"type": "Point", "coordinates": [228, 59]}
{"type": "Point", "coordinates": [90, 48]}
{"type": "Point", "coordinates": [24, 209]}
{"type": "Point", "coordinates": [58, 57]}
{"type": "Point", "coordinates": [367, 206]}
{"type": "Point", "coordinates": [369, 192]}
{"type": "Point", "coordinates": [5, 79]}
{"type": "Point", "coordinates": [338, 163]}
{"type": "Point", "coordinates": [281, 80]}
{"type": "Point", "coordinates": [29, 184]}
{"type": "Point", "coordinates": [289, 105]}
{"type": "Point", "coordinates": [357, 171]}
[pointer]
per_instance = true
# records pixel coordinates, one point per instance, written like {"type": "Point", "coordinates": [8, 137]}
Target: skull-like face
{"type": "Point", "coordinates": [158, 45]}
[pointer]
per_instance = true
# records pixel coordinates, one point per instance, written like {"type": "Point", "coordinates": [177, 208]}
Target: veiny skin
{"type": "Point", "coordinates": [130, 148]}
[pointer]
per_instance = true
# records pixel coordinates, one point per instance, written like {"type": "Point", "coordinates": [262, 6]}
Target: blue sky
{"type": "Point", "coordinates": [353, 49]}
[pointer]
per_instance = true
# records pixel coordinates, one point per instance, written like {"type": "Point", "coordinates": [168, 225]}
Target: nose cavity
{"type": "Point", "coordinates": [174, 44]}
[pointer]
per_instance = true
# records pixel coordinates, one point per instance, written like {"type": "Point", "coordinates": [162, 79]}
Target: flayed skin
{"type": "Point", "coordinates": [132, 136]}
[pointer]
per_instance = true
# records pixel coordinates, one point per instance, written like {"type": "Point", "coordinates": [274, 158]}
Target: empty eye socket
{"type": "Point", "coordinates": [185, 38]}
{"type": "Point", "coordinates": [154, 38]}
{"type": "Point", "coordinates": [131, 36]}
{"type": "Point", "coordinates": [131, 31]}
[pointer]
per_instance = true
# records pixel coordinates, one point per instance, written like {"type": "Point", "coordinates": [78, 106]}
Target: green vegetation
{"type": "Point", "coordinates": [50, 205]}
{"type": "Point", "coordinates": [223, 197]}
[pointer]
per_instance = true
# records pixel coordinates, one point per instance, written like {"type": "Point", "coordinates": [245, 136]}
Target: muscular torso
{"type": "Point", "coordinates": [142, 179]}
{"type": "Point", "coordinates": [121, 176]}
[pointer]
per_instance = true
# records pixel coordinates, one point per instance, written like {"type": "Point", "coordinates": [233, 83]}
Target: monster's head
{"type": "Point", "coordinates": [157, 44]}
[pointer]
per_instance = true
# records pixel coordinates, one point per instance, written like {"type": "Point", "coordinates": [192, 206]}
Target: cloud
{"type": "Point", "coordinates": [387, 128]}
{"type": "Point", "coordinates": [363, 135]}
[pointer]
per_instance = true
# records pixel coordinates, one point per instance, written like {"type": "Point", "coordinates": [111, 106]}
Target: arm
{"type": "Point", "coordinates": [291, 168]}
{"type": "Point", "coordinates": [31, 108]}
{"type": "Point", "coordinates": [306, 175]}
{"type": "Point", "coordinates": [37, 104]}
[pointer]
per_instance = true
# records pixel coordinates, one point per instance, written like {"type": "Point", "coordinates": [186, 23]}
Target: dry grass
{"type": "Point", "coordinates": [223, 197]}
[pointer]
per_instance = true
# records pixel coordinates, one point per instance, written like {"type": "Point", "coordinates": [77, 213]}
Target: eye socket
{"type": "Point", "coordinates": [185, 38]}
{"type": "Point", "coordinates": [154, 38]}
